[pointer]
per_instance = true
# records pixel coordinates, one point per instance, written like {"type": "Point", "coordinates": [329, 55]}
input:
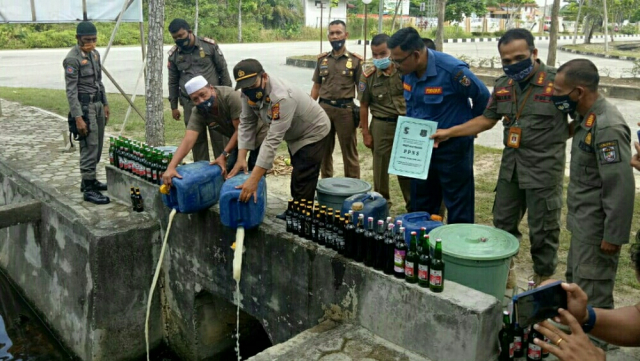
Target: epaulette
{"type": "Point", "coordinates": [172, 50]}
{"type": "Point", "coordinates": [367, 72]}
{"type": "Point", "coordinates": [358, 56]}
{"type": "Point", "coordinates": [210, 41]}
{"type": "Point", "coordinates": [322, 55]}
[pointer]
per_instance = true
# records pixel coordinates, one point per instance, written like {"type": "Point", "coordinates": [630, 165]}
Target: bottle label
{"type": "Point", "coordinates": [423, 272]}
{"type": "Point", "coordinates": [111, 157]}
{"type": "Point", "coordinates": [313, 232]}
{"type": "Point", "coordinates": [534, 352]}
{"type": "Point", "coordinates": [512, 350]}
{"type": "Point", "coordinates": [148, 171]}
{"type": "Point", "coordinates": [321, 234]}
{"type": "Point", "coordinates": [398, 260]}
{"type": "Point", "coordinates": [526, 334]}
{"type": "Point", "coordinates": [154, 175]}
{"type": "Point", "coordinates": [435, 278]}
{"type": "Point", "coordinates": [408, 269]}
{"type": "Point", "coordinates": [518, 342]}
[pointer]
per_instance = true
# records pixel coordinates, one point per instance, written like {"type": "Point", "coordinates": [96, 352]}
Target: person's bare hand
{"type": "Point", "coordinates": [635, 160]}
{"type": "Point", "coordinates": [441, 135]}
{"type": "Point", "coordinates": [568, 347]}
{"type": "Point", "coordinates": [81, 126]}
{"type": "Point", "coordinates": [608, 248]}
{"type": "Point", "coordinates": [175, 113]}
{"type": "Point", "coordinates": [367, 139]}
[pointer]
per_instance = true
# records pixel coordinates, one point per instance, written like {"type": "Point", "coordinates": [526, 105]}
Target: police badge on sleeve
{"type": "Point", "coordinates": [609, 152]}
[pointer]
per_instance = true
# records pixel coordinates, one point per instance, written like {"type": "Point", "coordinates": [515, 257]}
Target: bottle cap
{"type": "Point", "coordinates": [357, 206]}
{"type": "Point", "coordinates": [435, 217]}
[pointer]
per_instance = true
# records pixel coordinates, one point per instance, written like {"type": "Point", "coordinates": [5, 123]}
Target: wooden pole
{"type": "Point", "coordinates": [575, 30]}
{"type": "Point", "coordinates": [33, 11]}
{"type": "Point", "coordinates": [321, 37]}
{"type": "Point", "coordinates": [365, 33]}
{"type": "Point", "coordinates": [606, 28]}
{"type": "Point", "coordinates": [104, 70]}
{"type": "Point", "coordinates": [125, 5]}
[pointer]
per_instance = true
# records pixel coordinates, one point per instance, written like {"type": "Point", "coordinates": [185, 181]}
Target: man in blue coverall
{"type": "Point", "coordinates": [437, 87]}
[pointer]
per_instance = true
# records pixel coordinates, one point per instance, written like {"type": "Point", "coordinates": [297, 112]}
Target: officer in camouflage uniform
{"type": "Point", "coordinates": [290, 115]}
{"type": "Point", "coordinates": [192, 56]}
{"type": "Point", "coordinates": [334, 83]}
{"type": "Point", "coordinates": [533, 160]}
{"type": "Point", "coordinates": [380, 90]}
{"type": "Point", "coordinates": [601, 184]}
{"type": "Point", "coordinates": [88, 105]}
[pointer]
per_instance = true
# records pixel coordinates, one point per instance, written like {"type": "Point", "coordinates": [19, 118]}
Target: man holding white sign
{"type": "Point", "coordinates": [437, 87]}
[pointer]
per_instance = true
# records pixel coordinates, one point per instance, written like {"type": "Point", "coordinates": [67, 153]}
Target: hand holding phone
{"type": "Point", "coordinates": [539, 304]}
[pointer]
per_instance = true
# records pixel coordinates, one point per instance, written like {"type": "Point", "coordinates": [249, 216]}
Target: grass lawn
{"type": "Point", "coordinates": [487, 162]}
{"type": "Point", "coordinates": [599, 49]}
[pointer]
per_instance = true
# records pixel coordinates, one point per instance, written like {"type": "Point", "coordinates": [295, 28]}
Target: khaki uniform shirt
{"type": "Point", "coordinates": [540, 159]}
{"type": "Point", "coordinates": [205, 59]}
{"type": "Point", "coordinates": [383, 92]}
{"type": "Point", "coordinates": [289, 113]}
{"type": "Point", "coordinates": [228, 108]}
{"type": "Point", "coordinates": [601, 185]}
{"type": "Point", "coordinates": [337, 76]}
{"type": "Point", "coordinates": [82, 74]}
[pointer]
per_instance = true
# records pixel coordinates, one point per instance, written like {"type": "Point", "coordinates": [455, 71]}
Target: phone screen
{"type": "Point", "coordinates": [540, 304]}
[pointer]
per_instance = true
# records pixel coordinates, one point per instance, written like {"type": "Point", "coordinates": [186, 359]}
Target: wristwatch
{"type": "Point", "coordinates": [225, 154]}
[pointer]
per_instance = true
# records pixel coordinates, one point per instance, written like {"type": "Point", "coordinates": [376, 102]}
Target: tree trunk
{"type": "Point", "coordinates": [442, 5]}
{"type": "Point", "coordinates": [606, 28]}
{"type": "Point", "coordinates": [575, 30]}
{"type": "Point", "coordinates": [553, 33]}
{"type": "Point", "coordinates": [239, 21]}
{"type": "Point", "coordinates": [395, 13]}
{"type": "Point", "coordinates": [154, 127]}
{"type": "Point", "coordinates": [195, 26]}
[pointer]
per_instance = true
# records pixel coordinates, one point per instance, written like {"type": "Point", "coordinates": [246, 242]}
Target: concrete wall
{"type": "Point", "coordinates": [89, 281]}
{"type": "Point", "coordinates": [289, 284]}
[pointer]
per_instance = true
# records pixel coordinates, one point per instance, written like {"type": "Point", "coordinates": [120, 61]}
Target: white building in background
{"type": "Point", "coordinates": [390, 7]}
{"type": "Point", "coordinates": [312, 12]}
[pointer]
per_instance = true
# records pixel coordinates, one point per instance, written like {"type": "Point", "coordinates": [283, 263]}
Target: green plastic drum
{"type": "Point", "coordinates": [333, 191]}
{"type": "Point", "coordinates": [476, 256]}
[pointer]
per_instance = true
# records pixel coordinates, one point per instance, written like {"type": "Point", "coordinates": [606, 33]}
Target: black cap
{"type": "Point", "coordinates": [246, 71]}
{"type": "Point", "coordinates": [86, 28]}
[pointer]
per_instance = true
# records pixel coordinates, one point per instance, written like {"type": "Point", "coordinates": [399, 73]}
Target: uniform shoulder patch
{"type": "Point", "coordinates": [541, 77]}
{"type": "Point", "coordinates": [358, 56]}
{"type": "Point", "coordinates": [70, 70]}
{"type": "Point", "coordinates": [609, 152]}
{"type": "Point", "coordinates": [591, 119]}
{"type": "Point", "coordinates": [367, 72]}
{"type": "Point", "coordinates": [172, 50]}
{"type": "Point", "coordinates": [209, 40]}
{"type": "Point", "coordinates": [275, 111]}
{"type": "Point", "coordinates": [322, 55]}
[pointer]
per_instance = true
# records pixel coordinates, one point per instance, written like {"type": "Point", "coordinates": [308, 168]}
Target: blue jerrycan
{"type": "Point", "coordinates": [371, 204]}
{"type": "Point", "coordinates": [233, 212]}
{"type": "Point", "coordinates": [198, 189]}
{"type": "Point", "coordinates": [412, 222]}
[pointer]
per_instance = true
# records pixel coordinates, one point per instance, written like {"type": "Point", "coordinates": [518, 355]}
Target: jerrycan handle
{"type": "Point", "coordinates": [416, 215]}
{"type": "Point", "coordinates": [239, 220]}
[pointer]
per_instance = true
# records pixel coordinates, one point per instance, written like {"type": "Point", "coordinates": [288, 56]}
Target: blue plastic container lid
{"type": "Point", "coordinates": [475, 242]}
{"type": "Point", "coordinates": [342, 186]}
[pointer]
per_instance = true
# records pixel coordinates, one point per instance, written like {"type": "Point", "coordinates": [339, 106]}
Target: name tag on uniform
{"type": "Point", "coordinates": [503, 95]}
{"type": "Point", "coordinates": [436, 90]}
{"type": "Point", "coordinates": [412, 147]}
{"type": "Point", "coordinates": [542, 98]}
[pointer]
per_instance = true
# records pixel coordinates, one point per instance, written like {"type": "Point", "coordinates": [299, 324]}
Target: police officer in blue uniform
{"type": "Point", "coordinates": [438, 87]}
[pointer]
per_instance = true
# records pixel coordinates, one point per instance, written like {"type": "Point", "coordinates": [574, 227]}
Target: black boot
{"type": "Point", "coordinates": [91, 194]}
{"type": "Point", "coordinates": [99, 186]}
{"type": "Point", "coordinates": [282, 216]}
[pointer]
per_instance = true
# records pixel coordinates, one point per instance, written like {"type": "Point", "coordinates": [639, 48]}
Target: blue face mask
{"type": "Point", "coordinates": [206, 105]}
{"type": "Point", "coordinates": [519, 71]}
{"type": "Point", "coordinates": [382, 64]}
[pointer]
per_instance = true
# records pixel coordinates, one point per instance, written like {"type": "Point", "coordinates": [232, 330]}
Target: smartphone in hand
{"type": "Point", "coordinates": [539, 304]}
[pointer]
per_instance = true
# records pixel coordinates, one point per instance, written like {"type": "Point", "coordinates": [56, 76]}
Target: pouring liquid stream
{"type": "Point", "coordinates": [237, 272]}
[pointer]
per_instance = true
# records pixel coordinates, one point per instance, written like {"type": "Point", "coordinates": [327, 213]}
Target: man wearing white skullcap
{"type": "Point", "coordinates": [216, 108]}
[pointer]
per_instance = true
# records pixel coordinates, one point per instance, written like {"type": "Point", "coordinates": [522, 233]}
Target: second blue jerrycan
{"type": "Point", "coordinates": [412, 222]}
{"type": "Point", "coordinates": [198, 189]}
{"type": "Point", "coordinates": [233, 212]}
{"type": "Point", "coordinates": [371, 204]}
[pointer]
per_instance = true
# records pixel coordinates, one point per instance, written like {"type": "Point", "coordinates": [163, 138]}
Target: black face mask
{"type": "Point", "coordinates": [206, 105]}
{"type": "Point", "coordinates": [337, 44]}
{"type": "Point", "coordinates": [254, 94]}
{"type": "Point", "coordinates": [184, 43]}
{"type": "Point", "coordinates": [564, 103]}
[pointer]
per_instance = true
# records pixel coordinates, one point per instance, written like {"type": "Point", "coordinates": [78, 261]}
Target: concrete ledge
{"type": "Point", "coordinates": [493, 39]}
{"type": "Point", "coordinates": [607, 56]}
{"type": "Point", "coordinates": [25, 212]}
{"type": "Point", "coordinates": [289, 284]}
{"type": "Point", "coordinates": [612, 91]}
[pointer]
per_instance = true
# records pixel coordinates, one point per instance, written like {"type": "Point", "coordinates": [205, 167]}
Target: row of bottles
{"type": "Point", "coordinates": [516, 342]}
{"type": "Point", "coordinates": [380, 245]}
{"type": "Point", "coordinates": [138, 158]}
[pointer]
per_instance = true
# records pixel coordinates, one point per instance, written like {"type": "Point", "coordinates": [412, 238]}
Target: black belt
{"type": "Point", "coordinates": [87, 98]}
{"type": "Point", "coordinates": [390, 120]}
{"type": "Point", "coordinates": [339, 103]}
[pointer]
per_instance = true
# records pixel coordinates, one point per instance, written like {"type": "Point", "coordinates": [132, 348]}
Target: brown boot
{"type": "Point", "coordinates": [512, 279]}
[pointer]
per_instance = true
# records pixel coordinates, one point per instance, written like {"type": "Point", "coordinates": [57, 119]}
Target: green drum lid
{"type": "Point", "coordinates": [475, 242]}
{"type": "Point", "coordinates": [342, 186]}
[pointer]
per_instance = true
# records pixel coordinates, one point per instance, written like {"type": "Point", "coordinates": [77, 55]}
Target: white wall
{"type": "Point", "coordinates": [312, 13]}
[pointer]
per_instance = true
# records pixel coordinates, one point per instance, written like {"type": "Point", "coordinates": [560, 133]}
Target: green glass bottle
{"type": "Point", "coordinates": [436, 271]}
{"type": "Point", "coordinates": [411, 261]}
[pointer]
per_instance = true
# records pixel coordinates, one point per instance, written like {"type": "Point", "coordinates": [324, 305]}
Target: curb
{"type": "Point", "coordinates": [612, 91]}
{"type": "Point", "coordinates": [494, 39]}
{"type": "Point", "coordinates": [607, 56]}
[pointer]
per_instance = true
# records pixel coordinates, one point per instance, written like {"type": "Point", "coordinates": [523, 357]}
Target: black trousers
{"type": "Point", "coordinates": [306, 169]}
